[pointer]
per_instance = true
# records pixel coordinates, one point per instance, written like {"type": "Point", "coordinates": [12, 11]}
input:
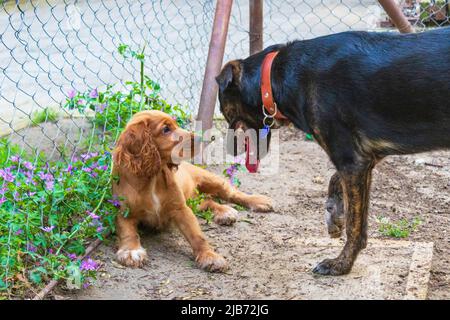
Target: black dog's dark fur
{"type": "Point", "coordinates": [363, 96]}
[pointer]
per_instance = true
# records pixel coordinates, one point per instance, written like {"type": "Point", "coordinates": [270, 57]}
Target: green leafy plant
{"type": "Point", "coordinates": [432, 10]}
{"type": "Point", "coordinates": [51, 210]}
{"type": "Point", "coordinates": [397, 229]}
{"type": "Point", "coordinates": [238, 207]}
{"type": "Point", "coordinates": [194, 204]}
{"type": "Point", "coordinates": [113, 108]}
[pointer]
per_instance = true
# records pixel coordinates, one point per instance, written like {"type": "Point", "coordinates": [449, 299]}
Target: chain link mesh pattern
{"type": "Point", "coordinates": [49, 47]}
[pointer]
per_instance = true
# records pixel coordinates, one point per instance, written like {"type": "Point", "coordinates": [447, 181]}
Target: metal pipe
{"type": "Point", "coordinates": [395, 13]}
{"type": "Point", "coordinates": [214, 62]}
{"type": "Point", "coordinates": [256, 26]}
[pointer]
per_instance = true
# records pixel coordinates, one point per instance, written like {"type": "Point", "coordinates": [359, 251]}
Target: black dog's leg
{"type": "Point", "coordinates": [334, 214]}
{"type": "Point", "coordinates": [356, 180]}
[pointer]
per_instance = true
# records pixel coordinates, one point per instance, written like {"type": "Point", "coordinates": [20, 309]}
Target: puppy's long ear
{"type": "Point", "coordinates": [135, 151]}
{"type": "Point", "coordinates": [231, 74]}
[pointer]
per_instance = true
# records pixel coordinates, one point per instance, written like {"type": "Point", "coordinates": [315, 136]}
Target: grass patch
{"type": "Point", "coordinates": [240, 208]}
{"type": "Point", "coordinates": [397, 229]}
{"type": "Point", "coordinates": [45, 115]}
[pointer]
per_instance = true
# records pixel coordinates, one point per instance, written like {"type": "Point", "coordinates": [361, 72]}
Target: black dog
{"type": "Point", "coordinates": [363, 96]}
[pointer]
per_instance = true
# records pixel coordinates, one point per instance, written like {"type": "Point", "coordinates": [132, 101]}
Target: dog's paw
{"type": "Point", "coordinates": [226, 217]}
{"type": "Point", "coordinates": [260, 203]}
{"type": "Point", "coordinates": [332, 267]}
{"type": "Point", "coordinates": [132, 258]}
{"type": "Point", "coordinates": [211, 261]}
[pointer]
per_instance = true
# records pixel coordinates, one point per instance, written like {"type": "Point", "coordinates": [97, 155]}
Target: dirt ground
{"type": "Point", "coordinates": [271, 255]}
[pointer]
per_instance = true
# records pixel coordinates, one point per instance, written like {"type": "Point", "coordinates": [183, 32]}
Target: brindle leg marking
{"type": "Point", "coordinates": [334, 207]}
{"type": "Point", "coordinates": [356, 180]}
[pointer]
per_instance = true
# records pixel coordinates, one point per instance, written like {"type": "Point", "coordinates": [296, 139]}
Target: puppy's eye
{"type": "Point", "coordinates": [166, 130]}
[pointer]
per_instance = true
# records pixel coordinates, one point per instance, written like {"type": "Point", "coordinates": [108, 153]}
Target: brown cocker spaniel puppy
{"type": "Point", "coordinates": [154, 189]}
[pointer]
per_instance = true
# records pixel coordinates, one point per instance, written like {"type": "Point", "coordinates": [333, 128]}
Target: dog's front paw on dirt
{"type": "Point", "coordinates": [132, 258]}
{"type": "Point", "coordinates": [332, 267]}
{"type": "Point", "coordinates": [211, 261]}
{"type": "Point", "coordinates": [226, 217]}
{"type": "Point", "coordinates": [260, 203]}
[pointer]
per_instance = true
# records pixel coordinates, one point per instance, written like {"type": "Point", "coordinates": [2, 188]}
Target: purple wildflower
{"type": "Point", "coordinates": [100, 108]}
{"type": "Point", "coordinates": [115, 202]}
{"type": "Point", "coordinates": [70, 169]}
{"type": "Point", "coordinates": [230, 171]}
{"type": "Point", "coordinates": [93, 94]}
{"type": "Point", "coordinates": [31, 248]}
{"type": "Point", "coordinates": [87, 156]}
{"type": "Point", "coordinates": [93, 215]}
{"type": "Point", "coordinates": [2, 200]}
{"type": "Point", "coordinates": [88, 170]}
{"type": "Point", "coordinates": [86, 285]}
{"type": "Point", "coordinates": [71, 93]}
{"type": "Point", "coordinates": [14, 158]}
{"type": "Point", "coordinates": [49, 185]}
{"type": "Point", "coordinates": [48, 179]}
{"type": "Point", "coordinates": [28, 165]}
{"type": "Point", "coordinates": [47, 229]}
{"type": "Point", "coordinates": [29, 175]}
{"type": "Point", "coordinates": [16, 196]}
{"type": "Point", "coordinates": [50, 251]}
{"type": "Point", "coordinates": [3, 191]}
{"type": "Point", "coordinates": [89, 264]}
{"type": "Point", "coordinates": [45, 176]}
{"type": "Point", "coordinates": [72, 256]}
{"type": "Point", "coordinates": [18, 232]}
{"type": "Point", "coordinates": [6, 174]}
{"type": "Point", "coordinates": [81, 102]}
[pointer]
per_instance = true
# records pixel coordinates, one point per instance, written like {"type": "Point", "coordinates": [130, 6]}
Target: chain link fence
{"type": "Point", "coordinates": [50, 47]}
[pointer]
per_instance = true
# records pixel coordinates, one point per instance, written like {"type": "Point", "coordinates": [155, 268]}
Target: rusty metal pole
{"type": "Point", "coordinates": [256, 26]}
{"type": "Point", "coordinates": [395, 13]}
{"type": "Point", "coordinates": [214, 62]}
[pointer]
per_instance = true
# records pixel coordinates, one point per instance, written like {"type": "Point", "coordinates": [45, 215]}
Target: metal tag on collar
{"type": "Point", "coordinates": [264, 132]}
{"type": "Point", "coordinates": [268, 120]}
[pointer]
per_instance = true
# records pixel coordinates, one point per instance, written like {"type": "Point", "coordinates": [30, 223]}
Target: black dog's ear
{"type": "Point", "coordinates": [231, 73]}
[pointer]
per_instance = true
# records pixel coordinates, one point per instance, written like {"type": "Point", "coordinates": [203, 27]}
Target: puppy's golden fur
{"type": "Point", "coordinates": [155, 189]}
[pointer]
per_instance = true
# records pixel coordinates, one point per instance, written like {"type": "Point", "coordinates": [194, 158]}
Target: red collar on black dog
{"type": "Point", "coordinates": [266, 88]}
